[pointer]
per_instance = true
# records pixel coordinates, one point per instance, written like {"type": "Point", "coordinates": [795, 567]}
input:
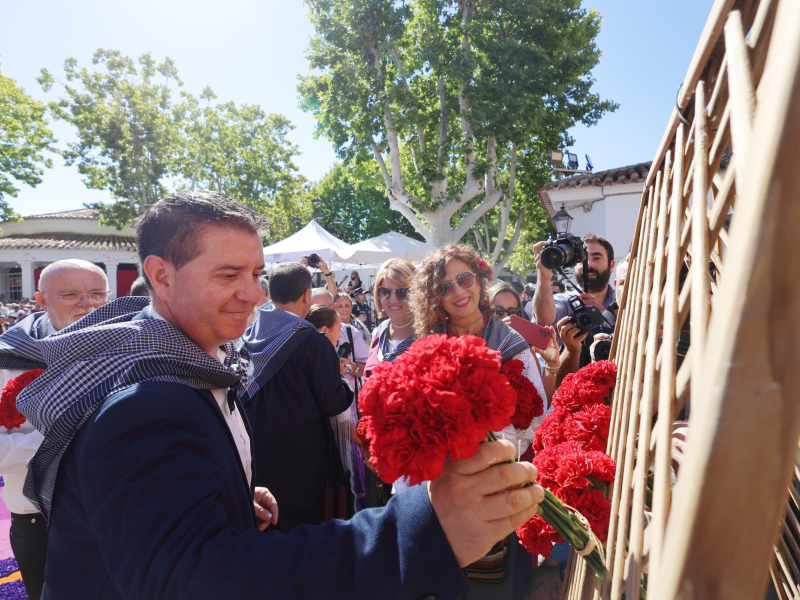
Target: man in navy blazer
{"type": "Point", "coordinates": [153, 498]}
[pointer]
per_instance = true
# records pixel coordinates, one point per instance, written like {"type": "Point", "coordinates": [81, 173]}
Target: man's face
{"type": "Point", "coordinates": [556, 289]}
{"type": "Point", "coordinates": [619, 284]}
{"type": "Point", "coordinates": [70, 293]}
{"type": "Point", "coordinates": [361, 298]}
{"type": "Point", "coordinates": [211, 297]}
{"type": "Point", "coordinates": [599, 268]}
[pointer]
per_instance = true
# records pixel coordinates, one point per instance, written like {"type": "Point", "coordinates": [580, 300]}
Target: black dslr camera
{"type": "Point", "coordinates": [313, 260]}
{"type": "Point", "coordinates": [565, 251]}
{"type": "Point", "coordinates": [603, 349]}
{"type": "Point", "coordinates": [585, 317]}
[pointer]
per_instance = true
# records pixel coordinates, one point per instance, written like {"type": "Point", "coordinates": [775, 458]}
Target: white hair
{"type": "Point", "coordinates": [316, 292]}
{"type": "Point", "coordinates": [71, 263]}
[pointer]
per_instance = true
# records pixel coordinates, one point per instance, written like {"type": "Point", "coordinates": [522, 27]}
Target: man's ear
{"type": "Point", "coordinates": [161, 274]}
{"type": "Point", "coordinates": [307, 296]}
{"type": "Point", "coordinates": [40, 298]}
{"type": "Point", "coordinates": [612, 265]}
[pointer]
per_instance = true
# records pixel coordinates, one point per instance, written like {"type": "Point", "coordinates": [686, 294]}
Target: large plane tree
{"type": "Point", "coordinates": [457, 101]}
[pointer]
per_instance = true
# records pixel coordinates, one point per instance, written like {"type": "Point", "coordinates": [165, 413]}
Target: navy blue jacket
{"type": "Point", "coordinates": [151, 502]}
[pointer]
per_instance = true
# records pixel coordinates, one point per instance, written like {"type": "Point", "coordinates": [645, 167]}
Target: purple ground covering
{"type": "Point", "coordinates": [8, 566]}
{"type": "Point", "coordinates": [13, 590]}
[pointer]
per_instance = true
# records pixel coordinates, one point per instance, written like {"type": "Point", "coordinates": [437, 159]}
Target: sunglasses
{"type": "Point", "coordinates": [498, 312]}
{"type": "Point", "coordinates": [384, 294]}
{"type": "Point", "coordinates": [465, 281]}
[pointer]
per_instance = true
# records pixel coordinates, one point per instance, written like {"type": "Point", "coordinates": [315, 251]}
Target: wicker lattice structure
{"type": "Point", "coordinates": [725, 269]}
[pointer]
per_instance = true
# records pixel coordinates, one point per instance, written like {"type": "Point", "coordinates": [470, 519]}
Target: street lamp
{"type": "Point", "coordinates": [562, 221]}
{"type": "Point", "coordinates": [297, 220]}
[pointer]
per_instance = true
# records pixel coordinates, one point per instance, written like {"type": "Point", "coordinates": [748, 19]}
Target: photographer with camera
{"type": "Point", "coordinates": [579, 316]}
{"type": "Point", "coordinates": [315, 261]}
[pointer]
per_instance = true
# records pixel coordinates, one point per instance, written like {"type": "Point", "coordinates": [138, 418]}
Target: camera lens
{"type": "Point", "coordinates": [313, 260]}
{"type": "Point", "coordinates": [556, 256]}
{"type": "Point", "coordinates": [584, 321]}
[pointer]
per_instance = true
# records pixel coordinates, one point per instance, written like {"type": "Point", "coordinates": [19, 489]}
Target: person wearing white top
{"type": "Point", "coordinates": [68, 291]}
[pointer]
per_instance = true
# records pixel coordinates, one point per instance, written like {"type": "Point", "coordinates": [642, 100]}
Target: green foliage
{"type": "Point", "coordinates": [240, 151]}
{"type": "Point", "coordinates": [428, 87]}
{"type": "Point", "coordinates": [136, 133]}
{"type": "Point", "coordinates": [127, 127]}
{"type": "Point", "coordinates": [24, 139]}
{"type": "Point", "coordinates": [356, 195]}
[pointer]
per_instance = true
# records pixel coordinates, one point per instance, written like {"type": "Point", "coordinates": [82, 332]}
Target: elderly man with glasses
{"type": "Point", "coordinates": [68, 291]}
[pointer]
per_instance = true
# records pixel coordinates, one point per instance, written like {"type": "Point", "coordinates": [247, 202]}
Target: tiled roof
{"type": "Point", "coordinates": [69, 241]}
{"type": "Point", "coordinates": [81, 213]}
{"type": "Point", "coordinates": [629, 174]}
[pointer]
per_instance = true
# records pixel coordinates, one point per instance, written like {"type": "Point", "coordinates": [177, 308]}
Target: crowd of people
{"type": "Point", "coordinates": [199, 439]}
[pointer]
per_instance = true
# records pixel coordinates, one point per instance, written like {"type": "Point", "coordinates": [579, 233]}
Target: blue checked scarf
{"type": "Point", "coordinates": [108, 350]}
{"type": "Point", "coordinates": [268, 343]}
{"type": "Point", "coordinates": [385, 353]}
{"type": "Point", "coordinates": [18, 348]}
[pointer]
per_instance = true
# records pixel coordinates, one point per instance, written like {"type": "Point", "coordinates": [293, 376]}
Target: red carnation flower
{"type": "Point", "coordinates": [10, 417]}
{"type": "Point", "coordinates": [437, 400]}
{"type": "Point", "coordinates": [537, 536]}
{"type": "Point", "coordinates": [363, 432]}
{"type": "Point", "coordinates": [529, 402]}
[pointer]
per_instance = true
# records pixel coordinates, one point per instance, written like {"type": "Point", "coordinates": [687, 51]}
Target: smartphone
{"type": "Point", "coordinates": [534, 334]}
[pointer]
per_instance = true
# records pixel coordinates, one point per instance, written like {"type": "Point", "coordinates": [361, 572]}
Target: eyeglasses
{"type": "Point", "coordinates": [498, 312]}
{"type": "Point", "coordinates": [74, 297]}
{"type": "Point", "coordinates": [384, 294]}
{"type": "Point", "coordinates": [465, 281]}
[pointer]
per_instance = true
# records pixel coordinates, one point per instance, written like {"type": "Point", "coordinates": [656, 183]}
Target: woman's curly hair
{"type": "Point", "coordinates": [429, 315]}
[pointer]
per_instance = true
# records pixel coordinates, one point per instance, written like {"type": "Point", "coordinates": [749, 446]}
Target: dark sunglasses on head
{"type": "Point", "coordinates": [465, 281]}
{"type": "Point", "coordinates": [498, 312]}
{"type": "Point", "coordinates": [385, 293]}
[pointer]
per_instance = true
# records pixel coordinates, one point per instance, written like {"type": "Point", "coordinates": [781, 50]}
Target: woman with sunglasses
{"type": "Point", "coordinates": [506, 301]}
{"type": "Point", "coordinates": [449, 294]}
{"type": "Point", "coordinates": [390, 339]}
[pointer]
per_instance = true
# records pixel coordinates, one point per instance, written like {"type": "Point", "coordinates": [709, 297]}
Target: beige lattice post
{"type": "Point", "coordinates": [743, 443]}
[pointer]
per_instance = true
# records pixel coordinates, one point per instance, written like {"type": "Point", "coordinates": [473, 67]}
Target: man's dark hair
{"type": "Point", "coordinates": [288, 283]}
{"type": "Point", "coordinates": [596, 239]}
{"type": "Point", "coordinates": [139, 287]}
{"type": "Point", "coordinates": [559, 285]}
{"type": "Point", "coordinates": [172, 228]}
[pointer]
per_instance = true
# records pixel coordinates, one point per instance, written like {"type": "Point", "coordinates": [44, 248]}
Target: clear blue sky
{"type": "Point", "coordinates": [251, 51]}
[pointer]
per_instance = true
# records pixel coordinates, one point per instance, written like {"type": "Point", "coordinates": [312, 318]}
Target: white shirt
{"type": "Point", "coordinates": [17, 447]}
{"type": "Point", "coordinates": [232, 418]}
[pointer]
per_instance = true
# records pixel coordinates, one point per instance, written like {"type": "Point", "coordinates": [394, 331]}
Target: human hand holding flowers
{"type": "Point", "coordinates": [467, 500]}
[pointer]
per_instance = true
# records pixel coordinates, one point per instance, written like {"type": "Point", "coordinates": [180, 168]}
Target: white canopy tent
{"type": "Point", "coordinates": [383, 247]}
{"type": "Point", "coordinates": [311, 239]}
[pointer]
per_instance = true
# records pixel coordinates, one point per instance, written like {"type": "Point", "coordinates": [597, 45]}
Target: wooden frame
{"type": "Point", "coordinates": [723, 529]}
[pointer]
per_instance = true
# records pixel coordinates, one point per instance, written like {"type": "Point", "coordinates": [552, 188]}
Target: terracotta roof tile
{"type": "Point", "coordinates": [69, 241]}
{"type": "Point", "coordinates": [629, 174]}
{"type": "Point", "coordinates": [81, 213]}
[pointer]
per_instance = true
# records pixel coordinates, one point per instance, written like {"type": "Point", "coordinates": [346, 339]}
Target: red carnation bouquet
{"type": "Point", "coordinates": [445, 395]}
{"type": "Point", "coordinates": [10, 417]}
{"type": "Point", "coordinates": [570, 447]}
{"type": "Point", "coordinates": [437, 401]}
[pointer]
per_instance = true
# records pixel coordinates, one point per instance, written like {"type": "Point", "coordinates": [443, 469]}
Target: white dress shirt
{"type": "Point", "coordinates": [232, 418]}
